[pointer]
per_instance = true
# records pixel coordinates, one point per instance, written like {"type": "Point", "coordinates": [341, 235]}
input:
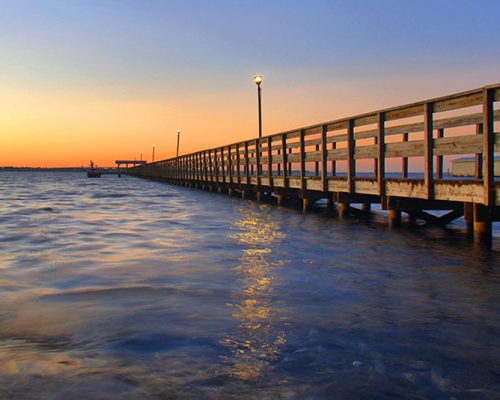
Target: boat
{"type": "Point", "coordinates": [92, 172]}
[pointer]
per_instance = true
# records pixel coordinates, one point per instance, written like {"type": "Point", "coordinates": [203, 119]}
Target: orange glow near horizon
{"type": "Point", "coordinates": [68, 129]}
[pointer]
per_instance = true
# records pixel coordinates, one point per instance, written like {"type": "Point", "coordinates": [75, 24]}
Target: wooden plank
{"type": "Point", "coordinates": [337, 138]}
{"type": "Point", "coordinates": [351, 165]}
{"type": "Point", "coordinates": [364, 152]}
{"type": "Point", "coordinates": [489, 147]}
{"type": "Point", "coordinates": [365, 120]}
{"type": "Point", "coordinates": [338, 154]}
{"type": "Point", "coordinates": [428, 147]}
{"type": "Point", "coordinates": [458, 145]}
{"type": "Point", "coordinates": [336, 125]}
{"type": "Point", "coordinates": [381, 153]}
{"type": "Point", "coordinates": [460, 101]}
{"type": "Point", "coordinates": [312, 142]}
{"type": "Point", "coordinates": [414, 148]}
{"type": "Point", "coordinates": [404, 112]}
{"type": "Point", "coordinates": [314, 130]}
{"type": "Point", "coordinates": [313, 156]}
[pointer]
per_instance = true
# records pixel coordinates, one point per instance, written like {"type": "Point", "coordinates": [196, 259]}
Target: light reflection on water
{"type": "Point", "coordinates": [258, 340]}
{"type": "Point", "coordinates": [126, 288]}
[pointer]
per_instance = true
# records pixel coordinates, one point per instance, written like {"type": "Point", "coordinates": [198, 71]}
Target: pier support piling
{"type": "Point", "coordinates": [469, 221]}
{"type": "Point", "coordinates": [343, 209]}
{"type": "Point", "coordinates": [394, 218]}
{"type": "Point", "coordinates": [306, 204]}
{"type": "Point", "coordinates": [483, 231]}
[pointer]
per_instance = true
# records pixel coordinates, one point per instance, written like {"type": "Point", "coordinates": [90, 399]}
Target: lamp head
{"type": "Point", "coordinates": [258, 79]}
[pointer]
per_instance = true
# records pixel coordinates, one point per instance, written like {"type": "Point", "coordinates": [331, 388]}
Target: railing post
{"type": "Point", "coordinates": [316, 163]}
{"type": "Point", "coordinates": [199, 166]}
{"type": "Point", "coordinates": [222, 165]}
{"type": "Point", "coordinates": [428, 150]}
{"type": "Point", "coordinates": [205, 169]}
{"type": "Point", "coordinates": [351, 165]}
{"type": "Point", "coordinates": [404, 171]}
{"type": "Point", "coordinates": [479, 156]}
{"type": "Point", "coordinates": [247, 164]}
{"type": "Point", "coordinates": [302, 161]}
{"type": "Point", "coordinates": [440, 159]}
{"type": "Point", "coordinates": [238, 172]}
{"type": "Point", "coordinates": [324, 158]}
{"type": "Point", "coordinates": [278, 166]}
{"type": "Point", "coordinates": [257, 160]}
{"type": "Point", "coordinates": [230, 163]}
{"type": "Point", "coordinates": [283, 151]}
{"type": "Point", "coordinates": [216, 166]}
{"type": "Point", "coordinates": [334, 163]}
{"type": "Point", "coordinates": [381, 155]}
{"type": "Point", "coordinates": [270, 161]}
{"type": "Point", "coordinates": [489, 147]}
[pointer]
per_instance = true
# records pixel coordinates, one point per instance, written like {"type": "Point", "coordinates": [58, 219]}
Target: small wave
{"type": "Point", "coordinates": [158, 342]}
{"type": "Point", "coordinates": [110, 196]}
{"type": "Point", "coordinates": [130, 292]}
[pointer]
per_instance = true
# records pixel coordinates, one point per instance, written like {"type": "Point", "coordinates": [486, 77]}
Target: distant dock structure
{"type": "Point", "coordinates": [133, 163]}
{"type": "Point", "coordinates": [323, 161]}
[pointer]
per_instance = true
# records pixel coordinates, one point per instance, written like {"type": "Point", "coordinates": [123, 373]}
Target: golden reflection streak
{"type": "Point", "coordinates": [258, 340]}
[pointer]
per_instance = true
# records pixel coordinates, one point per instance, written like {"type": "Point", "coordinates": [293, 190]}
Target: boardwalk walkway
{"type": "Point", "coordinates": [325, 161]}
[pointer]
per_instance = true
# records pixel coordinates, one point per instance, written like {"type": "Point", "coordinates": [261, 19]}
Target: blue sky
{"type": "Point", "coordinates": [151, 44]}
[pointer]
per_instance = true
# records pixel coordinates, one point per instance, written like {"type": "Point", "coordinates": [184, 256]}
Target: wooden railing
{"type": "Point", "coordinates": [326, 158]}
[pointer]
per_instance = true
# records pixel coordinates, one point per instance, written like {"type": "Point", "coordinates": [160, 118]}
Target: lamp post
{"type": "Point", "coordinates": [258, 80]}
{"type": "Point", "coordinates": [154, 146]}
{"type": "Point", "coordinates": [178, 138]}
{"type": "Point", "coordinates": [141, 155]}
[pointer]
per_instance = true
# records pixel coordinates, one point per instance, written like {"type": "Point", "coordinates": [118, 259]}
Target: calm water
{"type": "Point", "coordinates": [124, 288]}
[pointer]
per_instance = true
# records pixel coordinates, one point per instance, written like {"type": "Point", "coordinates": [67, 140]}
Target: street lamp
{"type": "Point", "coordinates": [141, 155]}
{"type": "Point", "coordinates": [154, 146]}
{"type": "Point", "coordinates": [258, 80]}
{"type": "Point", "coordinates": [178, 138]}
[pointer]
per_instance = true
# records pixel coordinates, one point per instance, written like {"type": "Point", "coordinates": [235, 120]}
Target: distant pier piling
{"type": "Point", "coordinates": [319, 162]}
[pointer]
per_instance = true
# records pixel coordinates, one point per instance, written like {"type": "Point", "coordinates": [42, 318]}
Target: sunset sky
{"type": "Point", "coordinates": [106, 79]}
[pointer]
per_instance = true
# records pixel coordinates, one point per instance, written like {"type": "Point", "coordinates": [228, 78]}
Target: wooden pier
{"type": "Point", "coordinates": [325, 161]}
